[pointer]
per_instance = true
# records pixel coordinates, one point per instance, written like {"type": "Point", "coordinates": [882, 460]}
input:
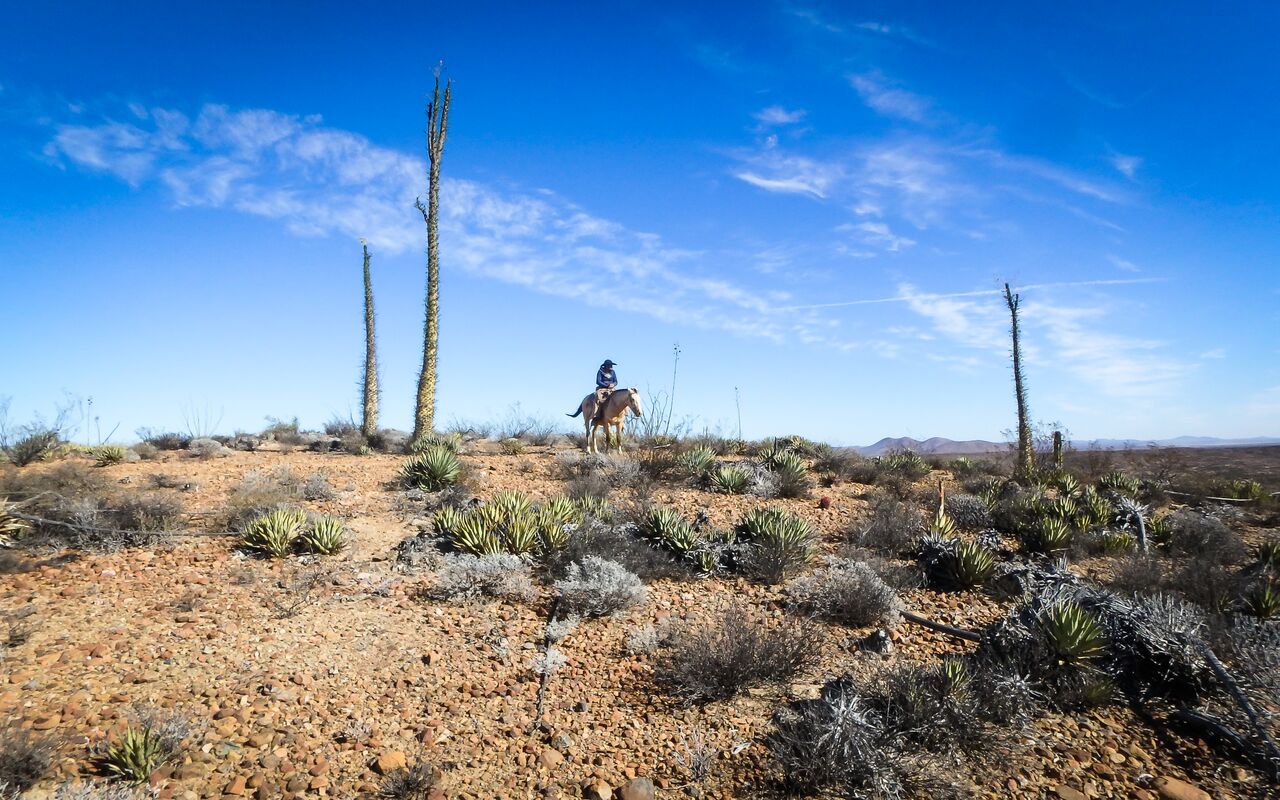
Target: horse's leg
{"type": "Point", "coordinates": [586, 430]}
{"type": "Point", "coordinates": [621, 423]}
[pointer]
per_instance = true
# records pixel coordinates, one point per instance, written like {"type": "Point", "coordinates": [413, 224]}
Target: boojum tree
{"type": "Point", "coordinates": [1025, 465]}
{"type": "Point", "coordinates": [437, 129]}
{"type": "Point", "coordinates": [369, 386]}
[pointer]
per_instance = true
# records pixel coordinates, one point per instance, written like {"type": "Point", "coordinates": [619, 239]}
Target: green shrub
{"type": "Point", "coordinates": [36, 445]}
{"type": "Point", "coordinates": [104, 455]}
{"type": "Point", "coordinates": [135, 755]}
{"type": "Point", "coordinates": [325, 535]}
{"type": "Point", "coordinates": [433, 469]}
{"type": "Point", "coordinates": [1072, 632]}
{"type": "Point", "coordinates": [274, 533]}
{"type": "Point", "coordinates": [730, 479]}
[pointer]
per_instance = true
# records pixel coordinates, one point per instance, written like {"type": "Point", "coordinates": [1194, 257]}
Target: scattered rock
{"type": "Point", "coordinates": [1174, 789]}
{"type": "Point", "coordinates": [637, 789]}
{"type": "Point", "coordinates": [389, 762]}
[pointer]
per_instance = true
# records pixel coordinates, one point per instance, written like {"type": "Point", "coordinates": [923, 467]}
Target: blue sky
{"type": "Point", "coordinates": [818, 202]}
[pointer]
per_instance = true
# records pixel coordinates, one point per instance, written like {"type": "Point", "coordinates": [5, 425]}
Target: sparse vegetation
{"type": "Point", "coordinates": [435, 468]}
{"type": "Point", "coordinates": [596, 587]}
{"type": "Point", "coordinates": [732, 652]}
{"type": "Point", "coordinates": [847, 592]}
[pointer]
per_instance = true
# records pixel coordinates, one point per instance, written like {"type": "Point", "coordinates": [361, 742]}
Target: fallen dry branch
{"type": "Point", "coordinates": [84, 528]}
{"type": "Point", "coordinates": [1242, 701]}
{"type": "Point", "coordinates": [959, 633]}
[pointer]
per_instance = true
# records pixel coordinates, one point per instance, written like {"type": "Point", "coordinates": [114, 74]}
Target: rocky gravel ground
{"type": "Point", "coordinates": [313, 677]}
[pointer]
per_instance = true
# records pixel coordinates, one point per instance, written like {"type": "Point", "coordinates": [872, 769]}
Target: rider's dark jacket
{"type": "Point", "coordinates": [605, 379]}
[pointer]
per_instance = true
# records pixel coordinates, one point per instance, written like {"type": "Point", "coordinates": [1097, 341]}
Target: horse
{"type": "Point", "coordinates": [612, 413]}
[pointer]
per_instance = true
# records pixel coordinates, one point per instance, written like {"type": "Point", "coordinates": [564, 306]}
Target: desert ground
{"type": "Point", "coordinates": [327, 675]}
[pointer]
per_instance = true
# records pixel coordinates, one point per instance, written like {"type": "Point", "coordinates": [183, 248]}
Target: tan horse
{"type": "Point", "coordinates": [612, 414]}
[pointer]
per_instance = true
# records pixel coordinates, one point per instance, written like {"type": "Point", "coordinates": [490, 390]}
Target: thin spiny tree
{"type": "Point", "coordinates": [437, 128]}
{"type": "Point", "coordinates": [1025, 466]}
{"type": "Point", "coordinates": [369, 423]}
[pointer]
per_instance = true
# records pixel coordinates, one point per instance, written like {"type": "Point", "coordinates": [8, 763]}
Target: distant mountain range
{"type": "Point", "coordinates": [939, 445]}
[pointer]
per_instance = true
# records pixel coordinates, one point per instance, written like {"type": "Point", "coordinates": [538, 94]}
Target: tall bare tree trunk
{"type": "Point", "coordinates": [369, 423]}
{"type": "Point", "coordinates": [1025, 466]}
{"type": "Point", "coordinates": [437, 128]}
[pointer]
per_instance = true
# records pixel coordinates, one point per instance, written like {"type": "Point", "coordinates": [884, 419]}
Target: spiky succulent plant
{"type": "Point", "coordinates": [1067, 485]}
{"type": "Point", "coordinates": [697, 460]}
{"type": "Point", "coordinates": [433, 469]}
{"type": "Point", "coordinates": [942, 524]}
{"type": "Point", "coordinates": [12, 528]}
{"type": "Point", "coordinates": [445, 520]}
{"type": "Point", "coordinates": [274, 533]}
{"type": "Point", "coordinates": [325, 535]}
{"type": "Point", "coordinates": [1063, 508]}
{"type": "Point", "coordinates": [475, 535]}
{"type": "Point", "coordinates": [1115, 541]}
{"type": "Point", "coordinates": [1263, 600]}
{"type": "Point", "coordinates": [669, 528]}
{"type": "Point", "coordinates": [730, 479]}
{"type": "Point", "coordinates": [449, 441]}
{"type": "Point", "coordinates": [774, 527]}
{"type": "Point", "coordinates": [1120, 483]}
{"type": "Point", "coordinates": [1269, 555]}
{"type": "Point", "coordinates": [1049, 535]}
{"type": "Point", "coordinates": [597, 507]}
{"type": "Point", "coordinates": [510, 505]}
{"type": "Point", "coordinates": [1072, 632]}
{"type": "Point", "coordinates": [135, 755]}
{"type": "Point", "coordinates": [105, 455]}
{"type": "Point", "coordinates": [520, 534]}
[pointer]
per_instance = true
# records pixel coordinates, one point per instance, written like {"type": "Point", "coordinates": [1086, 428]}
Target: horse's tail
{"type": "Point", "coordinates": [576, 413]}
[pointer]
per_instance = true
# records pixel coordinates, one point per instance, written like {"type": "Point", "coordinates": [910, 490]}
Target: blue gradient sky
{"type": "Point", "coordinates": [818, 202]}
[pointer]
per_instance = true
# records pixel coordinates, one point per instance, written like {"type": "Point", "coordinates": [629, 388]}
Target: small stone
{"type": "Point", "coordinates": [550, 758]}
{"type": "Point", "coordinates": [237, 786]}
{"type": "Point", "coordinates": [1174, 789]}
{"type": "Point", "coordinates": [1065, 792]}
{"type": "Point", "coordinates": [598, 790]}
{"type": "Point", "coordinates": [389, 762]}
{"type": "Point", "coordinates": [637, 789]}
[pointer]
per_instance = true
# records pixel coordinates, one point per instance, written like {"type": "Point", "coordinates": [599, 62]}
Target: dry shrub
{"type": "Point", "coordinates": [24, 759]}
{"type": "Point", "coordinates": [733, 652]}
{"type": "Point", "coordinates": [847, 592]}
{"type": "Point", "coordinates": [893, 528]}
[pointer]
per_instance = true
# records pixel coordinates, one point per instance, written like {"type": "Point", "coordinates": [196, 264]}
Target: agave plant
{"type": "Point", "coordinates": [1243, 489]}
{"type": "Point", "coordinates": [1263, 600]}
{"type": "Point", "coordinates": [774, 527]}
{"type": "Point", "coordinates": [953, 675]}
{"type": "Point", "coordinates": [510, 505]}
{"type": "Point", "coordinates": [274, 532]}
{"type": "Point", "coordinates": [666, 526]}
{"type": "Point", "coordinates": [449, 441]}
{"type": "Point", "coordinates": [970, 564]}
{"type": "Point", "coordinates": [596, 507]}
{"type": "Point", "coordinates": [105, 455]}
{"type": "Point", "coordinates": [12, 528]}
{"type": "Point", "coordinates": [1268, 553]}
{"type": "Point", "coordinates": [1072, 632]}
{"type": "Point", "coordinates": [1051, 535]}
{"type": "Point", "coordinates": [730, 479]}
{"type": "Point", "coordinates": [905, 462]}
{"type": "Point", "coordinates": [475, 535]}
{"type": "Point", "coordinates": [445, 520]}
{"type": "Point", "coordinates": [433, 469]}
{"type": "Point", "coordinates": [1063, 508]}
{"type": "Point", "coordinates": [942, 525]}
{"type": "Point", "coordinates": [991, 493]}
{"type": "Point", "coordinates": [135, 755]}
{"type": "Point", "coordinates": [520, 534]}
{"type": "Point", "coordinates": [325, 535]}
{"type": "Point", "coordinates": [1098, 691]}
{"type": "Point", "coordinates": [697, 460]}
{"type": "Point", "coordinates": [553, 532]}
{"type": "Point", "coordinates": [1092, 510]}
{"type": "Point", "coordinates": [1115, 542]}
{"type": "Point", "coordinates": [560, 509]}
{"type": "Point", "coordinates": [1067, 485]}
{"type": "Point", "coordinates": [1120, 483]}
{"type": "Point", "coordinates": [772, 450]}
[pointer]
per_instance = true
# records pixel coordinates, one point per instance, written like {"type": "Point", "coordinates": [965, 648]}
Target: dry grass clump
{"type": "Point", "coordinates": [24, 759]}
{"type": "Point", "coordinates": [733, 652]}
{"type": "Point", "coordinates": [847, 592]}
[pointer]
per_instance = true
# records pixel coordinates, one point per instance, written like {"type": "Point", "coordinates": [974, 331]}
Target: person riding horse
{"type": "Point", "coordinates": [606, 381]}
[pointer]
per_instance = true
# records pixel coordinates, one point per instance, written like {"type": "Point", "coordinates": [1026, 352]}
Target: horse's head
{"type": "Point", "coordinates": [634, 403]}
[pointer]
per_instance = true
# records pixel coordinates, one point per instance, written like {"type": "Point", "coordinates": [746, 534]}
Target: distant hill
{"type": "Point", "coordinates": [939, 445]}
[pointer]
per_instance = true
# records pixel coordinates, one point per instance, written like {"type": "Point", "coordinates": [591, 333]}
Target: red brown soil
{"type": "Point", "coordinates": [304, 706]}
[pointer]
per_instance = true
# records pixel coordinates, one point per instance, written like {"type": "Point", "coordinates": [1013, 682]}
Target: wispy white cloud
{"type": "Point", "coordinates": [321, 181]}
{"type": "Point", "coordinates": [1214, 354]}
{"type": "Point", "coordinates": [777, 115]}
{"type": "Point", "coordinates": [877, 234]}
{"type": "Point", "coordinates": [1126, 165]}
{"type": "Point", "coordinates": [1124, 264]}
{"type": "Point", "coordinates": [889, 100]}
{"type": "Point", "coordinates": [903, 297]}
